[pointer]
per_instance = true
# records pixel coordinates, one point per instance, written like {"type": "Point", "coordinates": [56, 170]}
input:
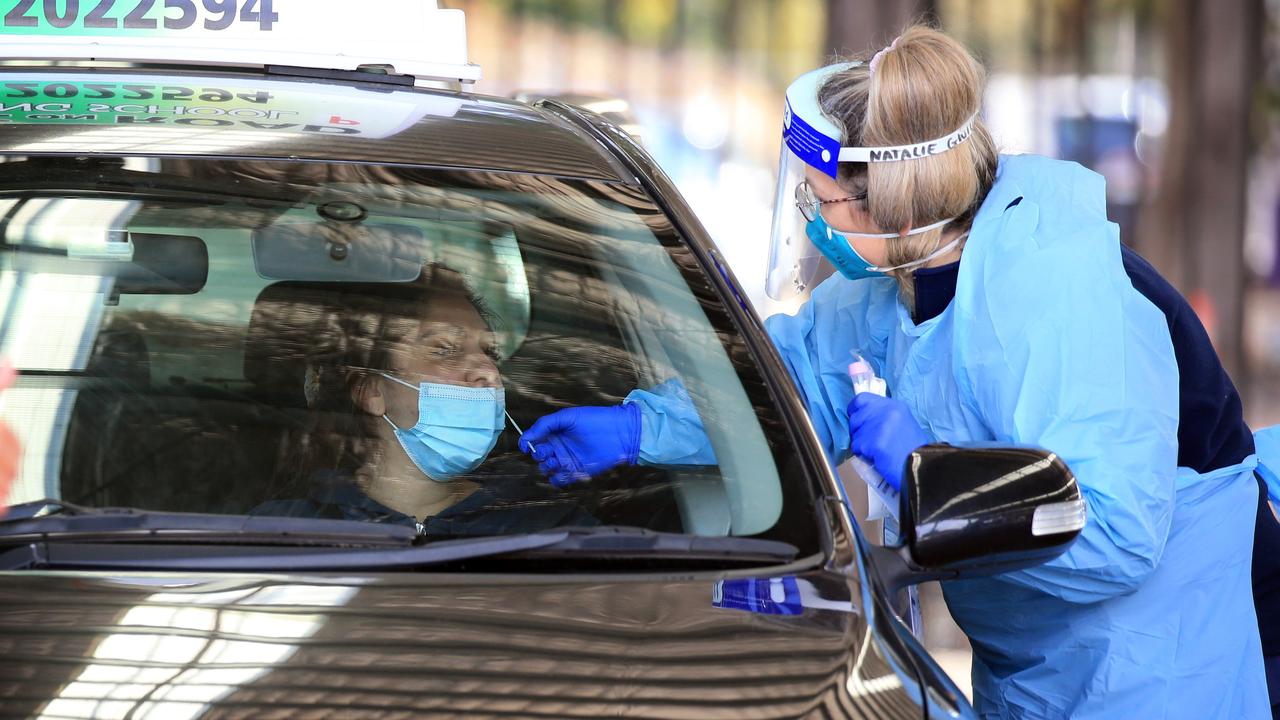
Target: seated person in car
{"type": "Point", "coordinates": [406, 405]}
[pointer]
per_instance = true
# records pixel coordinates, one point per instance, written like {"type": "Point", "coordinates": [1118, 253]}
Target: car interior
{"type": "Point", "coordinates": [175, 410]}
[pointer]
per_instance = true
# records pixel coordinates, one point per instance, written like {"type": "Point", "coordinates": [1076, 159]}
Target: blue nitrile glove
{"type": "Point", "coordinates": [576, 444]}
{"type": "Point", "coordinates": [883, 432]}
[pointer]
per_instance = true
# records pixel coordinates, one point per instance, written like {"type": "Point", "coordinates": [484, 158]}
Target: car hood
{"type": "Point", "coordinates": [180, 646]}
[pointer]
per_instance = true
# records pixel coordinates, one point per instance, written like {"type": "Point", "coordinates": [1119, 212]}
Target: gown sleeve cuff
{"type": "Point", "coordinates": [671, 432]}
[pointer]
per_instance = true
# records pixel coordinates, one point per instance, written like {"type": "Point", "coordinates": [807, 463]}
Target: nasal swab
{"type": "Point", "coordinates": [517, 427]}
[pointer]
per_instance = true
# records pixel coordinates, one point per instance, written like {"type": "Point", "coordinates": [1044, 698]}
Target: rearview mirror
{"type": "Point", "coordinates": [352, 251]}
{"type": "Point", "coordinates": [970, 511]}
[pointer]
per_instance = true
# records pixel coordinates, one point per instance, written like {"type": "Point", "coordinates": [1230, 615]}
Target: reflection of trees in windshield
{"type": "Point", "coordinates": [203, 405]}
{"type": "Point", "coordinates": [177, 440]}
{"type": "Point", "coordinates": [150, 346]}
{"type": "Point", "coordinates": [577, 211]}
{"type": "Point", "coordinates": [159, 423]}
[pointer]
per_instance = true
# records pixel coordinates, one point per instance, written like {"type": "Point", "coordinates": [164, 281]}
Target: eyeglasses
{"type": "Point", "coordinates": [808, 203]}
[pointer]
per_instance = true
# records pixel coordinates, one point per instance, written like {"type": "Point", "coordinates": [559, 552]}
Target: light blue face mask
{"type": "Point", "coordinates": [457, 427]}
{"type": "Point", "coordinates": [835, 245]}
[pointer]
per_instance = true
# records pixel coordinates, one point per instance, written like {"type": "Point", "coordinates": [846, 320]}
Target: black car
{"type": "Point", "coordinates": [203, 268]}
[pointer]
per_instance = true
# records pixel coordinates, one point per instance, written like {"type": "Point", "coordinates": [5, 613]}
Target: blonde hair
{"type": "Point", "coordinates": [925, 86]}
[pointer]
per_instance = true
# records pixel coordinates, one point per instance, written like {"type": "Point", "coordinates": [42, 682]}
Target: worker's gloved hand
{"type": "Point", "coordinates": [576, 444]}
{"type": "Point", "coordinates": [883, 432]}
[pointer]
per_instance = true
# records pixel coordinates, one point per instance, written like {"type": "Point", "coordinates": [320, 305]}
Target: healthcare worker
{"type": "Point", "coordinates": [994, 297]}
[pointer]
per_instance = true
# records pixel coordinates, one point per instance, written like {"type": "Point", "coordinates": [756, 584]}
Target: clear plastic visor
{"type": "Point", "coordinates": [796, 265]}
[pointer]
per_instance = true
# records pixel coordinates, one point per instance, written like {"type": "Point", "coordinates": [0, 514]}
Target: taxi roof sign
{"type": "Point", "coordinates": [415, 37]}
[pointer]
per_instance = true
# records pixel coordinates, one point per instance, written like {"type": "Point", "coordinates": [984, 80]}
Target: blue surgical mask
{"type": "Point", "coordinates": [837, 248]}
{"type": "Point", "coordinates": [457, 427]}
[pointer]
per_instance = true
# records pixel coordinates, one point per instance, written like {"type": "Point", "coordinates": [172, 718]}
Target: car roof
{"type": "Point", "coordinates": [441, 128]}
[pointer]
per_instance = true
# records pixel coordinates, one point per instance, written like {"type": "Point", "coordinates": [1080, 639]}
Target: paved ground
{"type": "Point", "coordinates": [943, 639]}
{"type": "Point", "coordinates": [956, 664]}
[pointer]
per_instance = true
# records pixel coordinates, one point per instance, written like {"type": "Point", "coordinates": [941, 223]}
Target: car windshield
{"type": "Point", "coordinates": [367, 342]}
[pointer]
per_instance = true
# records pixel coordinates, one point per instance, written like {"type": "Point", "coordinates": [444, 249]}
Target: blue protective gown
{"type": "Point", "coordinates": [1212, 433]}
{"type": "Point", "coordinates": [1149, 614]}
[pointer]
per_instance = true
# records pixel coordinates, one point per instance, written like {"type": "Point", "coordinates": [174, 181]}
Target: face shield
{"type": "Point", "coordinates": [811, 143]}
{"type": "Point", "coordinates": [809, 140]}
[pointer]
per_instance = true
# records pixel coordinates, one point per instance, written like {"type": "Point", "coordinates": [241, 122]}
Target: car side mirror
{"type": "Point", "coordinates": [971, 511]}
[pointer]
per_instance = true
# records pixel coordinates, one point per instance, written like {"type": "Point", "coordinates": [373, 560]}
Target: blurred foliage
{"type": "Point", "coordinates": [1268, 101]}
{"type": "Point", "coordinates": [797, 36]}
{"type": "Point", "coordinates": [589, 13]}
{"type": "Point", "coordinates": [648, 22]}
{"type": "Point", "coordinates": [707, 21]}
{"type": "Point", "coordinates": [1061, 36]}
{"type": "Point", "coordinates": [776, 38]}
{"type": "Point", "coordinates": [586, 13]}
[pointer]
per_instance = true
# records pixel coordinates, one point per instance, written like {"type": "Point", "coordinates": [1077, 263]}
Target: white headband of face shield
{"type": "Point", "coordinates": [912, 231]}
{"type": "Point", "coordinates": [893, 153]}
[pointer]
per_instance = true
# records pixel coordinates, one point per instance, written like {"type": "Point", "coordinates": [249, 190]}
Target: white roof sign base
{"type": "Point", "coordinates": [416, 37]}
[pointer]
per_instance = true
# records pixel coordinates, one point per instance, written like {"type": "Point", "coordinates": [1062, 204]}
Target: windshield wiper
{"type": "Point", "coordinates": [626, 541]}
{"type": "Point", "coordinates": [42, 507]}
{"type": "Point", "coordinates": [73, 555]}
{"type": "Point", "coordinates": [58, 520]}
{"type": "Point", "coordinates": [604, 542]}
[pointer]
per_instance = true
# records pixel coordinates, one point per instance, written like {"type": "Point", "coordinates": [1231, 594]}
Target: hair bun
{"type": "Point", "coordinates": [923, 85]}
